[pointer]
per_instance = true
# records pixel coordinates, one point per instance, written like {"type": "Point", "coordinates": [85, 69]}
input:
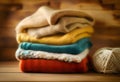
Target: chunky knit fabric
{"type": "Point", "coordinates": [58, 39]}
{"type": "Point", "coordinates": [54, 41]}
{"type": "Point", "coordinates": [46, 16]}
{"type": "Point", "coordinates": [52, 66]}
{"type": "Point", "coordinates": [74, 48]}
{"type": "Point", "coordinates": [30, 54]}
{"type": "Point", "coordinates": [65, 25]}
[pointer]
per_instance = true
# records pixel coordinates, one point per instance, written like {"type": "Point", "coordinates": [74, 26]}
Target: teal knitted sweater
{"type": "Point", "coordinates": [75, 48]}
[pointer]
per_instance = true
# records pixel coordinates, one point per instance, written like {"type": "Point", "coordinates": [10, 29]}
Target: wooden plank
{"type": "Point", "coordinates": [8, 64]}
{"type": "Point", "coordinates": [33, 7]}
{"type": "Point", "coordinates": [109, 1]}
{"type": "Point", "coordinates": [10, 7]}
{"type": "Point", "coordinates": [16, 17]}
{"type": "Point", "coordinates": [117, 14]}
{"type": "Point", "coordinates": [7, 32]}
{"type": "Point", "coordinates": [22, 1]}
{"type": "Point", "coordinates": [104, 31]}
{"type": "Point", "coordinates": [117, 1]}
{"type": "Point", "coordinates": [11, 71]}
{"type": "Point", "coordinates": [80, 1]}
{"type": "Point", "coordinates": [99, 41]}
{"type": "Point", "coordinates": [106, 37]}
{"type": "Point", "coordinates": [106, 4]}
{"type": "Point", "coordinates": [117, 5]}
{"type": "Point", "coordinates": [82, 5]}
{"type": "Point", "coordinates": [13, 5]}
{"type": "Point", "coordinates": [55, 3]}
{"type": "Point", "coordinates": [57, 77]}
{"type": "Point", "coordinates": [7, 54]}
{"type": "Point", "coordinates": [8, 42]}
{"type": "Point", "coordinates": [9, 67]}
{"type": "Point", "coordinates": [100, 44]}
{"type": "Point", "coordinates": [31, 1]}
{"type": "Point", "coordinates": [6, 1]}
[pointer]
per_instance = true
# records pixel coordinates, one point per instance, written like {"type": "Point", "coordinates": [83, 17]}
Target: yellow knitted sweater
{"type": "Point", "coordinates": [58, 39]}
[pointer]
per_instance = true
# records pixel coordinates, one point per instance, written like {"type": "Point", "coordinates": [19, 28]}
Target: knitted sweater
{"type": "Point", "coordinates": [52, 66]}
{"type": "Point", "coordinates": [30, 54]}
{"type": "Point", "coordinates": [65, 25]}
{"type": "Point", "coordinates": [46, 16]}
{"type": "Point", "coordinates": [74, 48]}
{"type": "Point", "coordinates": [58, 39]}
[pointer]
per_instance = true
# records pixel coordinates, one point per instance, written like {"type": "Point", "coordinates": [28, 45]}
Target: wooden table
{"type": "Point", "coordinates": [9, 71]}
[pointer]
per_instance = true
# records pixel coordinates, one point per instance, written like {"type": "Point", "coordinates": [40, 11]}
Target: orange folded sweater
{"type": "Point", "coordinates": [52, 66]}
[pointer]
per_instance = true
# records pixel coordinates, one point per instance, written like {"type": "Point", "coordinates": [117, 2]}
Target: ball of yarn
{"type": "Point", "coordinates": [107, 60]}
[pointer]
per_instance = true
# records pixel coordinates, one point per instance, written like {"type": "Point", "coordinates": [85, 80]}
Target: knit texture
{"type": "Point", "coordinates": [30, 54]}
{"type": "Point", "coordinates": [52, 66]}
{"type": "Point", "coordinates": [46, 16]}
{"type": "Point", "coordinates": [54, 41]}
{"type": "Point", "coordinates": [107, 60]}
{"type": "Point", "coordinates": [65, 25]}
{"type": "Point", "coordinates": [74, 48]}
{"type": "Point", "coordinates": [58, 39]}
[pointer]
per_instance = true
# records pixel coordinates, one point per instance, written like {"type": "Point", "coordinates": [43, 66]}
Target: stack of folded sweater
{"type": "Point", "coordinates": [54, 41]}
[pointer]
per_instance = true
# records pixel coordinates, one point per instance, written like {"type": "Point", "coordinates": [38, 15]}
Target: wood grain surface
{"type": "Point", "coordinates": [9, 71]}
{"type": "Point", "coordinates": [13, 11]}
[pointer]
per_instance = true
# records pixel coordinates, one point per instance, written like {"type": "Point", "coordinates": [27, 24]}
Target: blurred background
{"type": "Point", "coordinates": [105, 12]}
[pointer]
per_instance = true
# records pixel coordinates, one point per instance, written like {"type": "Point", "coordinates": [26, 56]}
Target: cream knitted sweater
{"type": "Point", "coordinates": [47, 21]}
{"type": "Point", "coordinates": [25, 54]}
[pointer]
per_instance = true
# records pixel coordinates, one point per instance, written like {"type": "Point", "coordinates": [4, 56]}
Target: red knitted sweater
{"type": "Point", "coordinates": [53, 66]}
